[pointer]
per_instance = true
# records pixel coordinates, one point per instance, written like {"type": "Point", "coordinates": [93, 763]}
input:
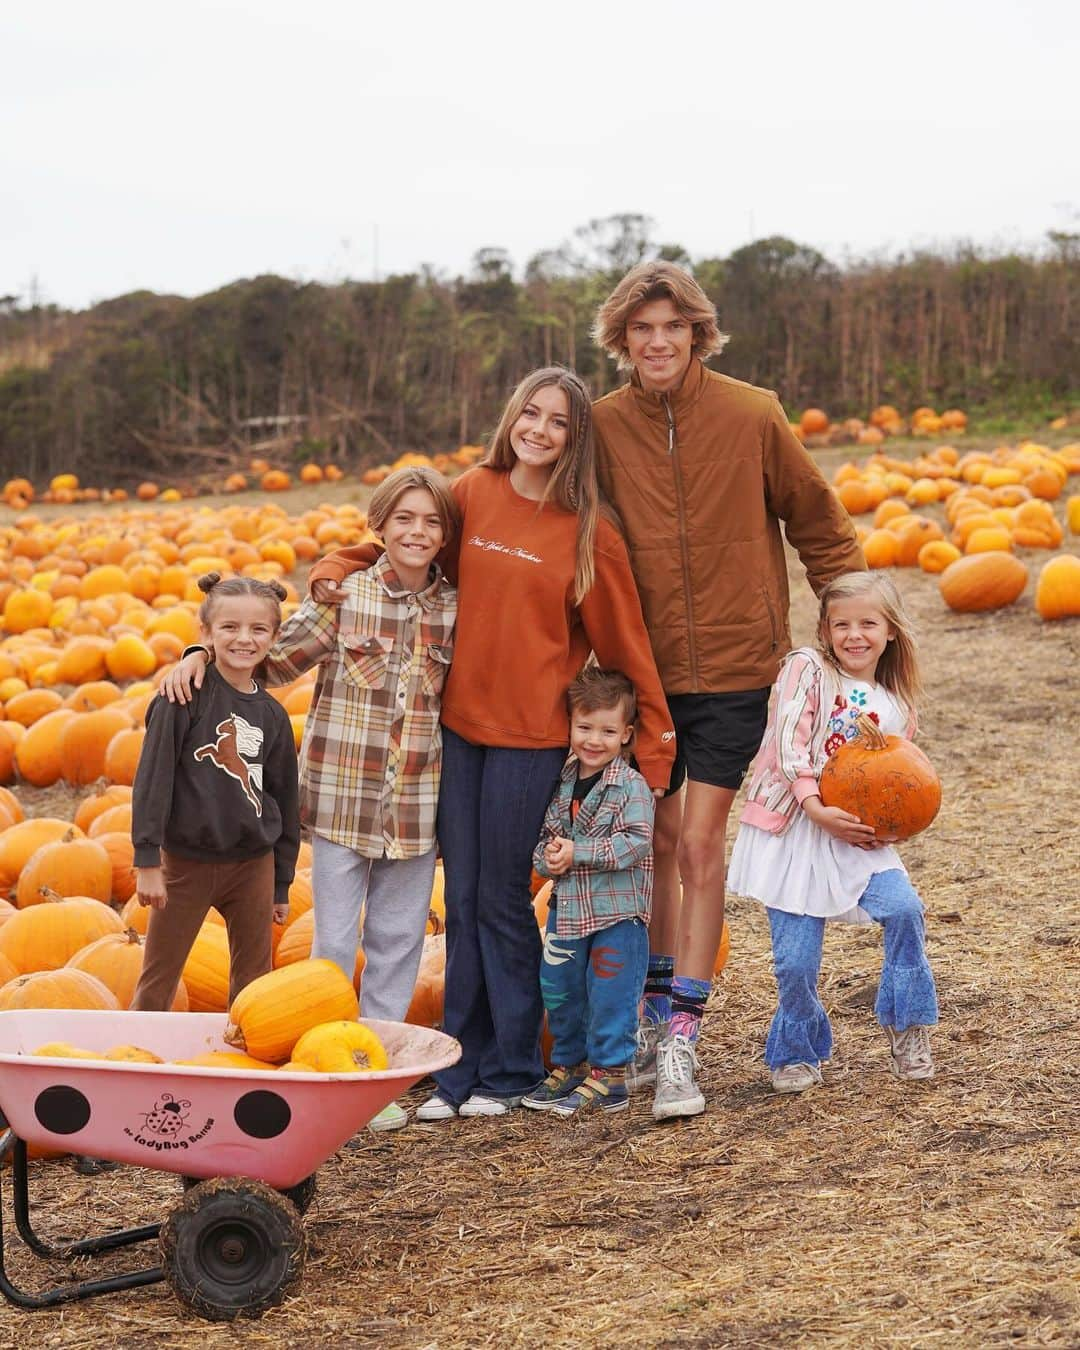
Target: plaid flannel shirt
{"type": "Point", "coordinates": [372, 747]}
{"type": "Point", "coordinates": [612, 875]}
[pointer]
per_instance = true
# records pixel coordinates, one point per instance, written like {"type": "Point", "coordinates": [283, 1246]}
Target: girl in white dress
{"type": "Point", "coordinates": [808, 862]}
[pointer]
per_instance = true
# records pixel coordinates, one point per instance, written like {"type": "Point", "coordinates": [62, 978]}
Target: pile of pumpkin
{"type": "Point", "coordinates": [278, 480]}
{"type": "Point", "coordinates": [993, 504]}
{"type": "Point", "coordinates": [815, 427]}
{"type": "Point", "coordinates": [300, 1019]}
{"type": "Point", "coordinates": [74, 936]}
{"type": "Point", "coordinates": [448, 464]}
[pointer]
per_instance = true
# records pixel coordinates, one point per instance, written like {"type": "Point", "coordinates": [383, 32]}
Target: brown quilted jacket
{"type": "Point", "coordinates": [702, 479]}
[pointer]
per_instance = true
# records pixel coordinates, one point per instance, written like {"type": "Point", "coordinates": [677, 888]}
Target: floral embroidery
{"type": "Point", "coordinates": [835, 741]}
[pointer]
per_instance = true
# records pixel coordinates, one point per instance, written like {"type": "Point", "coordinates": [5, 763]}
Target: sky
{"type": "Point", "coordinates": [178, 145]}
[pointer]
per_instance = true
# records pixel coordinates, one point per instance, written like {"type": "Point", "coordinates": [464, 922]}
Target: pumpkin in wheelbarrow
{"type": "Point", "coordinates": [270, 1015]}
{"type": "Point", "coordinates": [341, 1047]}
{"type": "Point", "coordinates": [884, 780]}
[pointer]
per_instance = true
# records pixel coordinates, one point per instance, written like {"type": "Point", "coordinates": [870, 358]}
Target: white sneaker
{"type": "Point", "coordinates": [392, 1117]}
{"type": "Point", "coordinates": [481, 1105]}
{"type": "Point", "coordinates": [911, 1056]}
{"type": "Point", "coordinates": [641, 1071]}
{"type": "Point", "coordinates": [676, 1092]}
{"type": "Point", "coordinates": [436, 1108]}
{"type": "Point", "coordinates": [795, 1077]}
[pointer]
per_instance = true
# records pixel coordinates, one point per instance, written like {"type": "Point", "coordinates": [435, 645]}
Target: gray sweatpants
{"type": "Point", "coordinates": [382, 903]}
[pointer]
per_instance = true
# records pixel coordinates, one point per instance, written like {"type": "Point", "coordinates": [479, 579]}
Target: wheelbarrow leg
{"type": "Point", "coordinates": [66, 1293]}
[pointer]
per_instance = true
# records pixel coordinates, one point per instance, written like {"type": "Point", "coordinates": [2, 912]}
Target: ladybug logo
{"type": "Point", "coordinates": [169, 1116]}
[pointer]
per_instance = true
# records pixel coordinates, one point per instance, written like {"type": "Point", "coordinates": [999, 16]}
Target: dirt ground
{"type": "Point", "coordinates": [868, 1212]}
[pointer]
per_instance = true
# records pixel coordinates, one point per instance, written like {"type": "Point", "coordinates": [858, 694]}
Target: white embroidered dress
{"type": "Point", "coordinates": [805, 870]}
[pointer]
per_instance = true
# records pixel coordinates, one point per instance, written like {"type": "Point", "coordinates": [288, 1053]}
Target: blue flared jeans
{"type": "Point", "coordinates": [492, 801]}
{"type": "Point", "coordinates": [800, 1031]}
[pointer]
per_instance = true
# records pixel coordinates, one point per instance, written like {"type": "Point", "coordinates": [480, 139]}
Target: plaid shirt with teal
{"type": "Point", "coordinates": [612, 875]}
{"type": "Point", "coordinates": [371, 755]}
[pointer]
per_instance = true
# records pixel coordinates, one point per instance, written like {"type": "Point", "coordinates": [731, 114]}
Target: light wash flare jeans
{"type": "Point", "coordinates": [800, 1031]}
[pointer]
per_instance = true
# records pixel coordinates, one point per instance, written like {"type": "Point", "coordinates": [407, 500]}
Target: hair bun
{"type": "Point", "coordinates": [278, 589]}
{"type": "Point", "coordinates": [208, 581]}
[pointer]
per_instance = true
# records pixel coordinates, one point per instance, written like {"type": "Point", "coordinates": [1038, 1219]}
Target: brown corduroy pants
{"type": "Point", "coordinates": [242, 892]}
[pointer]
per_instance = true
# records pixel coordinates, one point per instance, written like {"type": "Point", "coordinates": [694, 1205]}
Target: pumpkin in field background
{"type": "Point", "coordinates": [884, 780]}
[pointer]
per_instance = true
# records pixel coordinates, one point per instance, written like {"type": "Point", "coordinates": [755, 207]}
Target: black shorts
{"type": "Point", "coordinates": [716, 736]}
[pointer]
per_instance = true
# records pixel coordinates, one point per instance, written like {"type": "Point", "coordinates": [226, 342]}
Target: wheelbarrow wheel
{"type": "Point", "coordinates": [301, 1194]}
{"type": "Point", "coordinates": [232, 1248]}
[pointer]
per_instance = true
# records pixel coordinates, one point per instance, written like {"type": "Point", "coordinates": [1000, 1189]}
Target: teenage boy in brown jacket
{"type": "Point", "coordinates": [702, 470]}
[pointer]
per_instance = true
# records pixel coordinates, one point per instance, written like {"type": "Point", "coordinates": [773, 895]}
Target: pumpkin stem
{"type": "Point", "coordinates": [870, 732]}
{"type": "Point", "coordinates": [437, 925]}
{"type": "Point", "coordinates": [133, 936]}
{"type": "Point", "coordinates": [235, 1037]}
{"type": "Point", "coordinates": [52, 897]}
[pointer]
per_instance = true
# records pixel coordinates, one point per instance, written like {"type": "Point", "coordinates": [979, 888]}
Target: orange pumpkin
{"type": "Point", "coordinates": [206, 970]}
{"type": "Point", "coordinates": [1057, 593]}
{"type": "Point", "coordinates": [19, 842]}
{"type": "Point", "coordinates": [57, 989]}
{"type": "Point", "coordinates": [38, 755]}
{"type": "Point", "coordinates": [121, 854]}
{"type": "Point", "coordinates": [813, 422]}
{"type": "Point", "coordinates": [91, 807]}
{"type": "Point", "coordinates": [46, 936]}
{"type": "Point", "coordinates": [70, 865]}
{"type": "Point", "coordinates": [426, 1007]}
{"type": "Point", "coordinates": [983, 581]}
{"type": "Point", "coordinates": [122, 755]}
{"type": "Point", "coordinates": [84, 741]}
{"type": "Point", "coordinates": [295, 943]}
{"type": "Point", "coordinates": [884, 780]}
{"type": "Point", "coordinates": [116, 960]}
{"type": "Point", "coordinates": [268, 1017]}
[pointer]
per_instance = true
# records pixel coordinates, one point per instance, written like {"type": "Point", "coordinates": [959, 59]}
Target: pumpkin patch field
{"type": "Point", "coordinates": [868, 1212]}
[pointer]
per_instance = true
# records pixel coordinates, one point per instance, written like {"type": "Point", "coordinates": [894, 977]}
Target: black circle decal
{"type": "Point", "coordinates": [63, 1110]}
{"type": "Point", "coordinates": [263, 1115]}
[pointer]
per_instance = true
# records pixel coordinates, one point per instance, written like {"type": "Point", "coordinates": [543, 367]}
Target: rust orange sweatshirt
{"type": "Point", "coordinates": [520, 639]}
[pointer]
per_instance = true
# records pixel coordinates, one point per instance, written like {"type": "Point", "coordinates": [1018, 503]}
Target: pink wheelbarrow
{"type": "Point", "coordinates": [247, 1144]}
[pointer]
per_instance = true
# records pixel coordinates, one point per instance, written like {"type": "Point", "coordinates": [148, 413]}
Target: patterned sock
{"type": "Point", "coordinates": [687, 1005]}
{"type": "Point", "coordinates": [657, 1006]}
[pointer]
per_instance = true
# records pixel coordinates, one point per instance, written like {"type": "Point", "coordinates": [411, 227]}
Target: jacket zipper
{"type": "Point", "coordinates": [683, 545]}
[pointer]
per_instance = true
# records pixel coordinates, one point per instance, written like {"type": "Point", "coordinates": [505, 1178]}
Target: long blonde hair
{"type": "Point", "coordinates": [898, 668]}
{"type": "Point", "coordinates": [572, 485]}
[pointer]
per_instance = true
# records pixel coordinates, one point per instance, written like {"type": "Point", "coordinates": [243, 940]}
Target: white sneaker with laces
{"type": "Point", "coordinates": [911, 1057]}
{"type": "Point", "coordinates": [481, 1105]}
{"type": "Point", "coordinates": [436, 1108]}
{"type": "Point", "coordinates": [676, 1092]}
{"type": "Point", "coordinates": [641, 1071]}
{"type": "Point", "coordinates": [795, 1077]}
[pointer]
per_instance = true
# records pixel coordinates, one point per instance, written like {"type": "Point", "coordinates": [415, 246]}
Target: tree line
{"type": "Point", "coordinates": [362, 370]}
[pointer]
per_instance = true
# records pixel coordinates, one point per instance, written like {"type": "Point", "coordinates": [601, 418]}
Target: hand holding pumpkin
{"type": "Point", "coordinates": [150, 887]}
{"type": "Point", "coordinates": [839, 823]}
{"type": "Point", "coordinates": [281, 914]}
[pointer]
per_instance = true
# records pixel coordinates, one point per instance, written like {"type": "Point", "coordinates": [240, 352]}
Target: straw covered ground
{"type": "Point", "coordinates": [867, 1213]}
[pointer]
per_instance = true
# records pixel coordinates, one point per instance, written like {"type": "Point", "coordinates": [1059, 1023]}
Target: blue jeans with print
{"type": "Point", "coordinates": [592, 986]}
{"type": "Point", "coordinates": [800, 1031]}
{"type": "Point", "coordinates": [492, 801]}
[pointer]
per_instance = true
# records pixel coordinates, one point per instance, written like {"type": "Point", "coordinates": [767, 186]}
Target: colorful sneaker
{"type": "Point", "coordinates": [911, 1056]}
{"type": "Point", "coordinates": [392, 1117]}
{"type": "Point", "coordinates": [436, 1108]}
{"type": "Point", "coordinates": [676, 1092]}
{"type": "Point", "coordinates": [600, 1091]}
{"type": "Point", "coordinates": [479, 1104]}
{"type": "Point", "coordinates": [559, 1083]}
{"type": "Point", "coordinates": [641, 1071]}
{"type": "Point", "coordinates": [795, 1077]}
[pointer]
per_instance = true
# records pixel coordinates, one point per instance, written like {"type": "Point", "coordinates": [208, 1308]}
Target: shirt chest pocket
{"type": "Point", "coordinates": [435, 667]}
{"type": "Point", "coordinates": [365, 659]}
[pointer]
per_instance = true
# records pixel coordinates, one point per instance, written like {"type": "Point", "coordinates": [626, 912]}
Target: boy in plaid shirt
{"type": "Point", "coordinates": [596, 845]}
